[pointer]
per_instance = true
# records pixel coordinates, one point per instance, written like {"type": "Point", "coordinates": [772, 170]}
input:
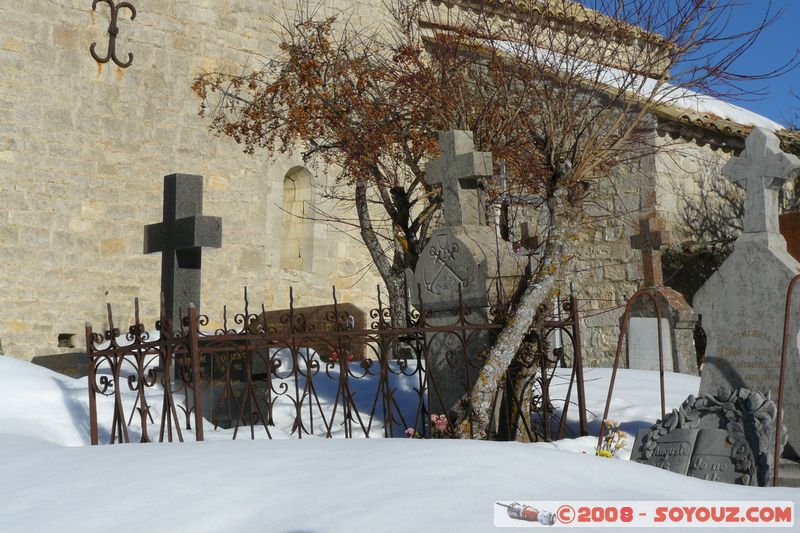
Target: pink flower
{"type": "Point", "coordinates": [439, 422]}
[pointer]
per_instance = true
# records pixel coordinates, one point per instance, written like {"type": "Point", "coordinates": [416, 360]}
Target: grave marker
{"type": "Point", "coordinates": [726, 437]}
{"type": "Point", "coordinates": [677, 317]}
{"type": "Point", "coordinates": [466, 254]}
{"type": "Point", "coordinates": [180, 238]}
{"type": "Point", "coordinates": [742, 304]}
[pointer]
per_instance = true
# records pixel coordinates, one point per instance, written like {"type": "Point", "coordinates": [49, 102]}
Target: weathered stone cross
{"type": "Point", "coordinates": [763, 168]}
{"type": "Point", "coordinates": [649, 240]}
{"type": "Point", "coordinates": [180, 238]}
{"type": "Point", "coordinates": [458, 169]}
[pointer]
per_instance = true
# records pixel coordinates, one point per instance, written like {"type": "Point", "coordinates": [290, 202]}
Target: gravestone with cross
{"type": "Point", "coordinates": [462, 264]}
{"type": "Point", "coordinates": [677, 318]}
{"type": "Point", "coordinates": [180, 238]}
{"type": "Point", "coordinates": [742, 304]}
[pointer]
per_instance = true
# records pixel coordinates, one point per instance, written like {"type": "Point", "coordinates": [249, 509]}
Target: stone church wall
{"type": "Point", "coordinates": [84, 147]}
{"type": "Point", "coordinates": [680, 177]}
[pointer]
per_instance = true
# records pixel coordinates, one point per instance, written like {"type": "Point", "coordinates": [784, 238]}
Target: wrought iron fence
{"type": "Point", "coordinates": [260, 377]}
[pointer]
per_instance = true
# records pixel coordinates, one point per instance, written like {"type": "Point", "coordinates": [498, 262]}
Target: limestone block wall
{"type": "Point", "coordinates": [690, 188]}
{"type": "Point", "coordinates": [84, 147]}
{"type": "Point", "coordinates": [681, 177]}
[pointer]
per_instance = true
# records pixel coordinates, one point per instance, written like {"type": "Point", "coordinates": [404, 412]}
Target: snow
{"type": "Point", "coordinates": [645, 87]}
{"type": "Point", "coordinates": [53, 481]}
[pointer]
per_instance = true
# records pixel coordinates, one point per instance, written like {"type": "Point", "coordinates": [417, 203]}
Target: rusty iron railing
{"type": "Point", "coordinates": [652, 295]}
{"type": "Point", "coordinates": [252, 375]}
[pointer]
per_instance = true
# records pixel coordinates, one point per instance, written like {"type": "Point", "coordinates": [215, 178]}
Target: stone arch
{"type": "Point", "coordinates": [297, 226]}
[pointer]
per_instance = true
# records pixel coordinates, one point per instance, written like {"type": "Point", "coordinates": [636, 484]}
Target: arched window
{"type": "Point", "coordinates": [297, 235]}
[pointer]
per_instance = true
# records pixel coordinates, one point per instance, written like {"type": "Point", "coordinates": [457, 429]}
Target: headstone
{"type": "Point", "coordinates": [461, 264]}
{"type": "Point", "coordinates": [321, 319]}
{"type": "Point", "coordinates": [180, 238]}
{"type": "Point", "coordinates": [742, 304]}
{"type": "Point", "coordinates": [677, 317]}
{"type": "Point", "coordinates": [726, 437]}
{"type": "Point", "coordinates": [222, 401]}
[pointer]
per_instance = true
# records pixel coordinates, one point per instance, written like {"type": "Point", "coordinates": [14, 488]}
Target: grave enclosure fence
{"type": "Point", "coordinates": [259, 378]}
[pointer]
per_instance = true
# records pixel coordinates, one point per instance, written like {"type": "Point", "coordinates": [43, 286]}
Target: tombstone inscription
{"type": "Point", "coordinates": [180, 238]}
{"type": "Point", "coordinates": [742, 304]}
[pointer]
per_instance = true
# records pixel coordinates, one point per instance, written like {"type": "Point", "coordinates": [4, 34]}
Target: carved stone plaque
{"type": "Point", "coordinates": [712, 458]}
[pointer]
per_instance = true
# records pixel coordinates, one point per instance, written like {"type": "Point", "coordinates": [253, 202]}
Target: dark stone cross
{"type": "Point", "coordinates": [180, 238]}
{"type": "Point", "coordinates": [649, 240]}
{"type": "Point", "coordinates": [458, 171]}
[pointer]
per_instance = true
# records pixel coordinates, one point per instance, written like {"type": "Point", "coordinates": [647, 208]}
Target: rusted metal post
{"type": "Point", "coordinates": [782, 381]}
{"type": "Point", "coordinates": [194, 353]}
{"type": "Point", "coordinates": [578, 364]}
{"type": "Point", "coordinates": [660, 358]}
{"type": "Point", "coordinates": [623, 331]}
{"type": "Point", "coordinates": [91, 380]}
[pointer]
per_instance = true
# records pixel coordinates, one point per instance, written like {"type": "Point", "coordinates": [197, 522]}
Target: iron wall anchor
{"type": "Point", "coordinates": [113, 31]}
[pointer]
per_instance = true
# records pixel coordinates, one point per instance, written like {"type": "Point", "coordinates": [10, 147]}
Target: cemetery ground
{"type": "Point", "coordinates": [53, 480]}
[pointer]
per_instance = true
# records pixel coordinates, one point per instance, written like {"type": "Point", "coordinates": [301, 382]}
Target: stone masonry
{"type": "Point", "coordinates": [83, 151]}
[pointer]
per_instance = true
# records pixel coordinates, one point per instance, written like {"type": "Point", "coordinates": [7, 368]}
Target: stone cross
{"type": "Point", "coordinates": [527, 239]}
{"type": "Point", "coordinates": [761, 170]}
{"type": "Point", "coordinates": [180, 239]}
{"type": "Point", "coordinates": [649, 240]}
{"type": "Point", "coordinates": [458, 170]}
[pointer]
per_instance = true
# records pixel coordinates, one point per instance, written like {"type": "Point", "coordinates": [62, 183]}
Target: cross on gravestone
{"type": "Point", "coordinates": [649, 240]}
{"type": "Point", "coordinates": [764, 168]}
{"type": "Point", "coordinates": [458, 170]}
{"type": "Point", "coordinates": [180, 239]}
{"type": "Point", "coordinates": [527, 239]}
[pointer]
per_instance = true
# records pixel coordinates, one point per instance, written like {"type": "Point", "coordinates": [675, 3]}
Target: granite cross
{"type": "Point", "coordinates": [458, 170]}
{"type": "Point", "coordinates": [763, 168]}
{"type": "Point", "coordinates": [180, 239]}
{"type": "Point", "coordinates": [649, 240]}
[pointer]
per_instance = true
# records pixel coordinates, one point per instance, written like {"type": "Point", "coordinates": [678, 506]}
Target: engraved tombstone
{"type": "Point", "coordinates": [461, 265]}
{"type": "Point", "coordinates": [742, 304]}
{"type": "Point", "coordinates": [726, 437]}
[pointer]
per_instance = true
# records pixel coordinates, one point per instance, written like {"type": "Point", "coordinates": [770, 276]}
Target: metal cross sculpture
{"type": "Point", "coordinates": [113, 31]}
{"type": "Point", "coordinates": [458, 170]}
{"type": "Point", "coordinates": [649, 240]}
{"type": "Point", "coordinates": [180, 238]}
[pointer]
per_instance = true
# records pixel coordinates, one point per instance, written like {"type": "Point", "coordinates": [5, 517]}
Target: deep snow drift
{"type": "Point", "coordinates": [52, 481]}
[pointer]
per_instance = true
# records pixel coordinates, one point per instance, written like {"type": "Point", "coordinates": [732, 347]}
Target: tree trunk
{"type": "Point", "coordinates": [393, 278]}
{"type": "Point", "coordinates": [493, 374]}
{"type": "Point", "coordinates": [398, 300]}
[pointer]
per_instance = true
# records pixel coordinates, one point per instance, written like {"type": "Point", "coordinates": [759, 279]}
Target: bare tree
{"type": "Point", "coordinates": [560, 93]}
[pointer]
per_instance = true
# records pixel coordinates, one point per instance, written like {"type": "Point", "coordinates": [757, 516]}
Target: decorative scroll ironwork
{"type": "Point", "coordinates": [113, 31]}
{"type": "Point", "coordinates": [250, 375]}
